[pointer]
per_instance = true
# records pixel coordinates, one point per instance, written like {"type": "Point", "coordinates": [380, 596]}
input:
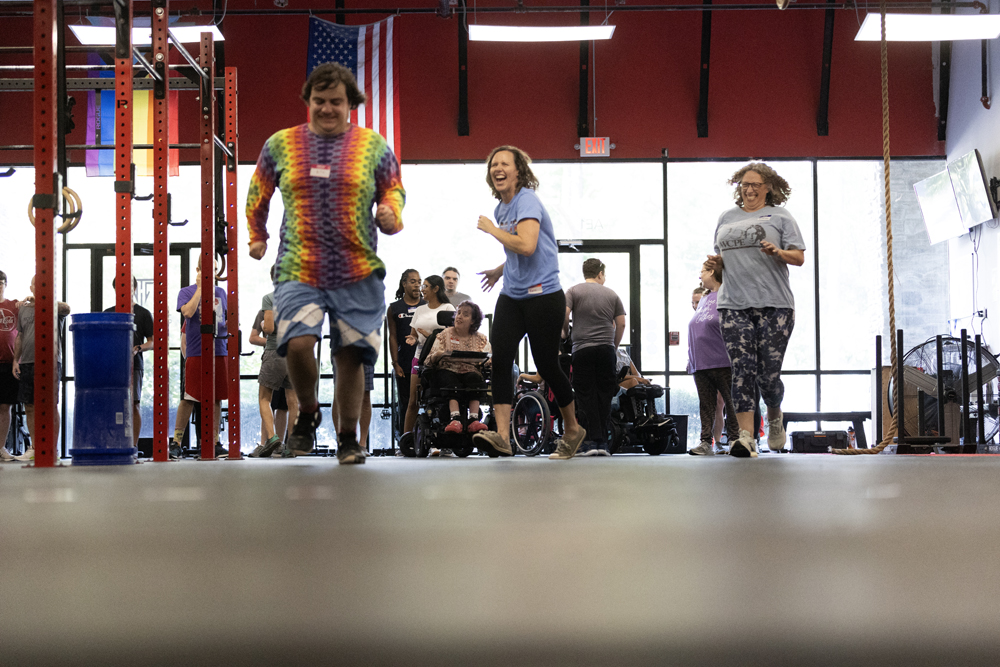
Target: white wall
{"type": "Point", "coordinates": [971, 125]}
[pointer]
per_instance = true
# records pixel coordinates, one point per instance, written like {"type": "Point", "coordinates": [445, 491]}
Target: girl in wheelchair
{"type": "Point", "coordinates": [453, 371]}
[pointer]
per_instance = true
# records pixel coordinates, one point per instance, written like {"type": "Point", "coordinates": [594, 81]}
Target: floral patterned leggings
{"type": "Point", "coordinates": [756, 339]}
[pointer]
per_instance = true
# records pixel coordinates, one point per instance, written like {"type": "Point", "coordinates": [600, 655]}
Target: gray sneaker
{"type": "Point", "coordinates": [745, 447]}
{"type": "Point", "coordinates": [776, 436]}
{"type": "Point", "coordinates": [566, 448]}
{"type": "Point", "coordinates": [272, 445]}
{"type": "Point", "coordinates": [494, 441]}
{"type": "Point", "coordinates": [600, 450]}
{"type": "Point", "coordinates": [704, 449]}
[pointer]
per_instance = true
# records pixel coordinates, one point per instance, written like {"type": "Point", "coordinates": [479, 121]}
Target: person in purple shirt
{"type": "Point", "coordinates": [709, 362]}
{"type": "Point", "coordinates": [189, 305]}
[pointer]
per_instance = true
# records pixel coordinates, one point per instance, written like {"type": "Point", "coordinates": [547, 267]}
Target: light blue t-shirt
{"type": "Point", "coordinates": [751, 279]}
{"type": "Point", "coordinates": [525, 277]}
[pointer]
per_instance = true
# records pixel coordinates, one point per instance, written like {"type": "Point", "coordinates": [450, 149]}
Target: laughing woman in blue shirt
{"type": "Point", "coordinates": [531, 301]}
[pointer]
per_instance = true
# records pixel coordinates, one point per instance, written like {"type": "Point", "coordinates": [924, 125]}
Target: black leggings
{"type": "Point", "coordinates": [541, 318]}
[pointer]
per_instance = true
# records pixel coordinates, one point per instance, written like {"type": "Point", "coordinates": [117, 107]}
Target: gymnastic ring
{"type": "Point", "coordinates": [72, 217]}
{"type": "Point", "coordinates": [220, 276]}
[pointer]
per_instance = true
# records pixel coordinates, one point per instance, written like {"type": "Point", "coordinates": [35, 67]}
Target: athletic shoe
{"type": "Point", "coordinates": [220, 451]}
{"type": "Point", "coordinates": [349, 451]}
{"type": "Point", "coordinates": [586, 449]}
{"type": "Point", "coordinates": [492, 440]}
{"type": "Point", "coordinates": [447, 454]}
{"type": "Point", "coordinates": [263, 451]}
{"type": "Point", "coordinates": [776, 436]}
{"type": "Point", "coordinates": [27, 457]}
{"type": "Point", "coordinates": [476, 427]}
{"type": "Point", "coordinates": [175, 451]}
{"type": "Point", "coordinates": [454, 426]}
{"type": "Point", "coordinates": [721, 451]}
{"type": "Point", "coordinates": [5, 455]}
{"type": "Point", "coordinates": [704, 449]}
{"type": "Point", "coordinates": [782, 3]}
{"type": "Point", "coordinates": [745, 447]}
{"type": "Point", "coordinates": [600, 450]}
{"type": "Point", "coordinates": [434, 452]}
{"type": "Point", "coordinates": [566, 448]}
{"type": "Point", "coordinates": [303, 434]}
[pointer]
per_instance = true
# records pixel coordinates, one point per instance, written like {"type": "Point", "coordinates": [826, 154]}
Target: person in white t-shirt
{"type": "Point", "coordinates": [423, 324]}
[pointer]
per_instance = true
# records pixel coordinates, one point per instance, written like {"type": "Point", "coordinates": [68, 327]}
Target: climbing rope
{"type": "Point", "coordinates": [893, 426]}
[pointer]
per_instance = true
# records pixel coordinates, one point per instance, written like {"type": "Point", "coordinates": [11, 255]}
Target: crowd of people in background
{"type": "Point", "coordinates": [331, 174]}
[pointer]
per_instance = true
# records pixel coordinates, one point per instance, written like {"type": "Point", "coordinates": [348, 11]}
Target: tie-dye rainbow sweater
{"type": "Point", "coordinates": [328, 185]}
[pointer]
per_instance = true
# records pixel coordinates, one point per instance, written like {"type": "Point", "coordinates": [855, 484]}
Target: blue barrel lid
{"type": "Point", "coordinates": [102, 321]}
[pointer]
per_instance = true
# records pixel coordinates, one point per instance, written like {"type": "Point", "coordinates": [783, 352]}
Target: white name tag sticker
{"type": "Point", "coordinates": [320, 171]}
{"type": "Point", "coordinates": [764, 217]}
{"type": "Point", "coordinates": [537, 289]}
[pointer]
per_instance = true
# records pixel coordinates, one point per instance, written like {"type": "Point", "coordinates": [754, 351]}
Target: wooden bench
{"type": "Point", "coordinates": [857, 418]}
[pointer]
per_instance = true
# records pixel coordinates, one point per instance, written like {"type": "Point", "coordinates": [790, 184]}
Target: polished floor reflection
{"type": "Point", "coordinates": [788, 559]}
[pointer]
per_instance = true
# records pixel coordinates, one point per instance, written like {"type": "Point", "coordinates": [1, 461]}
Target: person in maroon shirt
{"type": "Point", "coordinates": [8, 383]}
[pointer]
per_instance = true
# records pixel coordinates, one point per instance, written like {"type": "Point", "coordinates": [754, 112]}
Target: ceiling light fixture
{"type": "Point", "coordinates": [509, 33]}
{"type": "Point", "coordinates": [95, 35]}
{"type": "Point", "coordinates": [929, 27]}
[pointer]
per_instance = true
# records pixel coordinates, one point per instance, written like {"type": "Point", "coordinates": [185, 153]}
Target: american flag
{"type": "Point", "coordinates": [370, 51]}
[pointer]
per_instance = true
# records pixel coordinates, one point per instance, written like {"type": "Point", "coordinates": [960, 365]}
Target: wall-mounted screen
{"type": "Point", "coordinates": [968, 180]}
{"type": "Point", "coordinates": [939, 207]}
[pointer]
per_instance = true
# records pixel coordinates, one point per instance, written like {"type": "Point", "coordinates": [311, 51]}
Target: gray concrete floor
{"type": "Point", "coordinates": [788, 559]}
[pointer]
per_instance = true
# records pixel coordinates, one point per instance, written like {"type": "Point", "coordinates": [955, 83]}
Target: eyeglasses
{"type": "Point", "coordinates": [751, 186]}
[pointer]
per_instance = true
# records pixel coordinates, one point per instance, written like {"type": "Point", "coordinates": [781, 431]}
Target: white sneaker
{"type": "Point", "coordinates": [776, 436]}
{"type": "Point", "coordinates": [704, 449]}
{"type": "Point", "coordinates": [27, 457]}
{"type": "Point", "coordinates": [5, 455]}
{"type": "Point", "coordinates": [745, 447]}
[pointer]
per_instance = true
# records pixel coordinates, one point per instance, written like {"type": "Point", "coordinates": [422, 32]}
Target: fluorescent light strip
{"type": "Point", "coordinates": [93, 35]}
{"type": "Point", "coordinates": [507, 33]}
{"type": "Point", "coordinates": [929, 27]}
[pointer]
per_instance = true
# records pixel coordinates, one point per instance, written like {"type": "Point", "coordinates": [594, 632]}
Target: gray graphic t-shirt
{"type": "Point", "coordinates": [751, 279]}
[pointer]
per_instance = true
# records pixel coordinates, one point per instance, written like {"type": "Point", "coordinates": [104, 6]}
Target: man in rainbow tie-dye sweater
{"type": "Point", "coordinates": [330, 173]}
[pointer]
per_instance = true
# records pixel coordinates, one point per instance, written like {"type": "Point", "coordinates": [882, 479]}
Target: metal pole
{"type": "Point", "coordinates": [920, 411]}
{"type": "Point", "coordinates": [966, 433]}
{"type": "Point", "coordinates": [124, 187]}
{"type": "Point", "coordinates": [879, 435]}
{"type": "Point", "coordinates": [232, 276]}
{"type": "Point", "coordinates": [940, 387]}
{"type": "Point", "coordinates": [161, 247]}
{"type": "Point", "coordinates": [979, 390]}
{"type": "Point", "coordinates": [48, 189]}
{"type": "Point", "coordinates": [900, 393]}
{"type": "Point", "coordinates": [207, 259]}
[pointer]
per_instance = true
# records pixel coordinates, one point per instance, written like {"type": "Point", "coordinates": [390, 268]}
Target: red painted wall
{"type": "Point", "coordinates": [765, 74]}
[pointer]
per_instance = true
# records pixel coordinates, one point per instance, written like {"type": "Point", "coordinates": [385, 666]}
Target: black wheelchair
{"type": "Point", "coordinates": [534, 421]}
{"type": "Point", "coordinates": [432, 402]}
{"type": "Point", "coordinates": [636, 425]}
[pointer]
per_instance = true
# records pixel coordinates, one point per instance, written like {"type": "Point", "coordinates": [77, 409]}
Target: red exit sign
{"type": "Point", "coordinates": [595, 146]}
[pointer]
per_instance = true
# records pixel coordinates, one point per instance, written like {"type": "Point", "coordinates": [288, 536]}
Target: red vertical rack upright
{"type": "Point", "coordinates": [161, 249]}
{"type": "Point", "coordinates": [48, 194]}
{"type": "Point", "coordinates": [207, 258]}
{"type": "Point", "coordinates": [124, 187]}
{"type": "Point", "coordinates": [232, 276]}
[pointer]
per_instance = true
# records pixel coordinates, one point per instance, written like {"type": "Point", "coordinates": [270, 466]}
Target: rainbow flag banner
{"type": "Point", "coordinates": [101, 131]}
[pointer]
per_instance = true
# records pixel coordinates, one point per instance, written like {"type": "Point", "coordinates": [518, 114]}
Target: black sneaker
{"type": "Point", "coordinates": [348, 450]}
{"type": "Point", "coordinates": [175, 452]}
{"type": "Point", "coordinates": [303, 434]}
{"type": "Point", "coordinates": [220, 451]}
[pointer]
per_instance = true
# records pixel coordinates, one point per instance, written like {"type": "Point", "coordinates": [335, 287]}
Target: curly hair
{"type": "Point", "coordinates": [329, 75]}
{"type": "Point", "coordinates": [525, 177]}
{"type": "Point", "coordinates": [400, 291]}
{"type": "Point", "coordinates": [779, 189]}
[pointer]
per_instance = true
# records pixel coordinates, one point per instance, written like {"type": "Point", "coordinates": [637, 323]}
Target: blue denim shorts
{"type": "Point", "coordinates": [356, 313]}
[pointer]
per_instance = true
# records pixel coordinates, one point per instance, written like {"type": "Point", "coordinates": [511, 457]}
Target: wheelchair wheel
{"type": "Point", "coordinates": [421, 437]}
{"type": "Point", "coordinates": [406, 444]}
{"type": "Point", "coordinates": [615, 437]}
{"type": "Point", "coordinates": [462, 451]}
{"type": "Point", "coordinates": [530, 423]}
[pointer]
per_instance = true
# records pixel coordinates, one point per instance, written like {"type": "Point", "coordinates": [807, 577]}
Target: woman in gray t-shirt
{"type": "Point", "coordinates": [754, 244]}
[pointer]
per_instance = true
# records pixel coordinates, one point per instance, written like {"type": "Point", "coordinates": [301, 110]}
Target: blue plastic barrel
{"type": "Point", "coordinates": [102, 417]}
